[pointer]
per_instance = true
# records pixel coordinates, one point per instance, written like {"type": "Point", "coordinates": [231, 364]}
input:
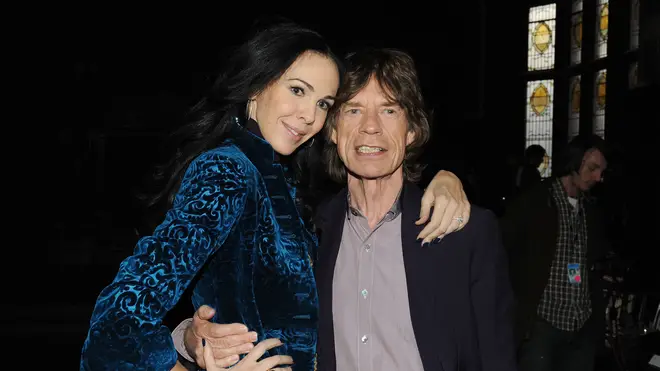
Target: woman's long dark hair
{"type": "Point", "coordinates": [255, 64]}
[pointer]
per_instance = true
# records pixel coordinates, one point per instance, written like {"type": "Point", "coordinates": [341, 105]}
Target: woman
{"type": "Point", "coordinates": [240, 219]}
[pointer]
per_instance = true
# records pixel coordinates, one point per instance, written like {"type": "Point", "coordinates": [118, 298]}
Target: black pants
{"type": "Point", "coordinates": [551, 349]}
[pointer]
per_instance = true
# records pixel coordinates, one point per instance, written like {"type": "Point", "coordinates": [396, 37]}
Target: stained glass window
{"type": "Point", "coordinates": [540, 96]}
{"type": "Point", "coordinates": [574, 107]}
{"type": "Point", "coordinates": [541, 38]}
{"type": "Point", "coordinates": [602, 27]}
{"type": "Point", "coordinates": [576, 32]}
{"type": "Point", "coordinates": [600, 95]}
{"type": "Point", "coordinates": [634, 24]}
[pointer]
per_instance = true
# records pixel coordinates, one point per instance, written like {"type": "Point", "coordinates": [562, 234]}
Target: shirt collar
{"type": "Point", "coordinates": [394, 211]}
{"type": "Point", "coordinates": [559, 190]}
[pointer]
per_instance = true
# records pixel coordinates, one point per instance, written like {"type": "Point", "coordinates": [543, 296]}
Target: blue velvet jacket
{"type": "Point", "coordinates": [234, 224]}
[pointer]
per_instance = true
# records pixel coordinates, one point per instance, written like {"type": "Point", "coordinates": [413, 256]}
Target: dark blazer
{"type": "Point", "coordinates": [530, 228]}
{"type": "Point", "coordinates": [458, 290]}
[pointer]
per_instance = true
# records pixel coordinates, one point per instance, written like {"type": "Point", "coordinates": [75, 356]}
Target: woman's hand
{"type": "Point", "coordinates": [451, 208]}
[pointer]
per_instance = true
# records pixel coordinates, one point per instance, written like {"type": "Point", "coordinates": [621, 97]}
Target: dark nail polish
{"type": "Point", "coordinates": [419, 239]}
{"type": "Point", "coordinates": [437, 240]}
{"type": "Point", "coordinates": [203, 342]}
{"type": "Point", "coordinates": [425, 244]}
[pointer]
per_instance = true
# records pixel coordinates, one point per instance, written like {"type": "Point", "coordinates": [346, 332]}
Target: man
{"type": "Point", "coordinates": [528, 174]}
{"type": "Point", "coordinates": [386, 301]}
{"type": "Point", "coordinates": [554, 235]}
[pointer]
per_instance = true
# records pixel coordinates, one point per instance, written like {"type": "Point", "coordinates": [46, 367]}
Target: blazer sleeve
{"type": "Point", "coordinates": [492, 298]}
{"type": "Point", "coordinates": [126, 331]}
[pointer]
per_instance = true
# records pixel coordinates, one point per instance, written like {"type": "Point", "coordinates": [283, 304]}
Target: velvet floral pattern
{"type": "Point", "coordinates": [235, 233]}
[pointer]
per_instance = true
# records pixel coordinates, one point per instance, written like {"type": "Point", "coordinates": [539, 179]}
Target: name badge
{"type": "Point", "coordinates": [574, 276]}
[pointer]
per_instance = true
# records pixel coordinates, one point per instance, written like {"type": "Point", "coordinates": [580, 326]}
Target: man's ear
{"type": "Point", "coordinates": [410, 138]}
{"type": "Point", "coordinates": [333, 135]}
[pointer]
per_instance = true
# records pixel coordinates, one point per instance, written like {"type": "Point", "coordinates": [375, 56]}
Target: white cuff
{"type": "Point", "coordinates": [178, 337]}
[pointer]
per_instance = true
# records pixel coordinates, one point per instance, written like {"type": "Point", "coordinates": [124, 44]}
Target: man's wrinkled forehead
{"type": "Point", "coordinates": [373, 88]}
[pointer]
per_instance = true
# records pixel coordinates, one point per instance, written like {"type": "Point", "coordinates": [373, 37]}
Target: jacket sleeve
{"type": "Point", "coordinates": [492, 298]}
{"type": "Point", "coordinates": [126, 331]}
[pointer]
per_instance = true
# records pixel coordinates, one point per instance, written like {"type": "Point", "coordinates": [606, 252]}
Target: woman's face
{"type": "Point", "coordinates": [293, 108]}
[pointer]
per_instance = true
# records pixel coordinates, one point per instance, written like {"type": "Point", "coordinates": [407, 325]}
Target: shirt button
{"type": "Point", "coordinates": [364, 339]}
{"type": "Point", "coordinates": [367, 247]}
{"type": "Point", "coordinates": [365, 293]}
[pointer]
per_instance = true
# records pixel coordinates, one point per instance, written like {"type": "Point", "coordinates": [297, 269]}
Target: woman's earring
{"type": "Point", "coordinates": [247, 109]}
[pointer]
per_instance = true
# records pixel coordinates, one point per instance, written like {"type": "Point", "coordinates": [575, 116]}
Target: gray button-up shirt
{"type": "Point", "coordinates": [372, 325]}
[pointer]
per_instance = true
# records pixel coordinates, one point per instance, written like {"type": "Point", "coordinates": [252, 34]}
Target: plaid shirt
{"type": "Point", "coordinates": [567, 306]}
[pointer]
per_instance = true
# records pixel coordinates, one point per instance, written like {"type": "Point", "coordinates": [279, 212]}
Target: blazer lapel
{"type": "Point", "coordinates": [331, 225]}
{"type": "Point", "coordinates": [419, 278]}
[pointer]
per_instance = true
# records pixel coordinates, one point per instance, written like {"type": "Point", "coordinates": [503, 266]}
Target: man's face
{"type": "Point", "coordinates": [591, 170]}
{"type": "Point", "coordinates": [372, 133]}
